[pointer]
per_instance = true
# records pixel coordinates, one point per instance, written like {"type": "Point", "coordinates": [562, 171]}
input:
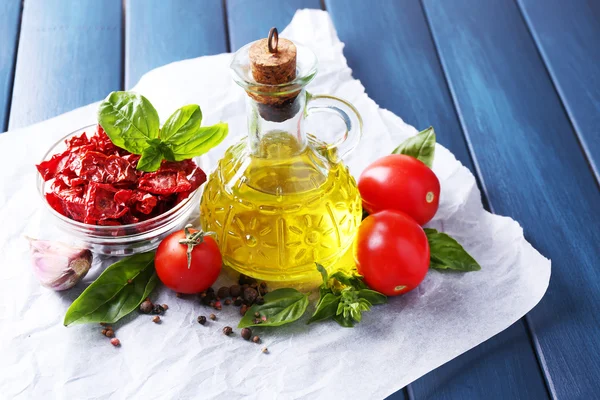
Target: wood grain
{"type": "Point", "coordinates": [530, 159]}
{"type": "Point", "coordinates": [10, 17]}
{"type": "Point", "coordinates": [159, 32]}
{"type": "Point", "coordinates": [568, 37]}
{"type": "Point", "coordinates": [250, 20]}
{"type": "Point", "coordinates": [403, 73]}
{"type": "Point", "coordinates": [69, 56]}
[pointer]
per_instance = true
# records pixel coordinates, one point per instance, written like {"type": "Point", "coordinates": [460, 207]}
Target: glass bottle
{"type": "Point", "coordinates": [281, 199]}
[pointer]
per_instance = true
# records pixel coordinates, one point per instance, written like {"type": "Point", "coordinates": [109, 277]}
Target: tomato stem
{"type": "Point", "coordinates": [191, 240]}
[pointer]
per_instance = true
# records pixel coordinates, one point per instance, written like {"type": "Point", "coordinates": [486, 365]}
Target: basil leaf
{"type": "Point", "coordinates": [184, 122]}
{"type": "Point", "coordinates": [323, 272]}
{"type": "Point", "coordinates": [150, 160]}
{"type": "Point", "coordinates": [349, 280]}
{"type": "Point", "coordinates": [118, 291]}
{"type": "Point", "coordinates": [281, 307]}
{"type": "Point", "coordinates": [372, 296]}
{"type": "Point", "coordinates": [345, 321]}
{"type": "Point", "coordinates": [205, 138]}
{"type": "Point", "coordinates": [327, 308]}
{"type": "Point", "coordinates": [129, 120]}
{"type": "Point", "coordinates": [420, 146]}
{"type": "Point", "coordinates": [447, 253]}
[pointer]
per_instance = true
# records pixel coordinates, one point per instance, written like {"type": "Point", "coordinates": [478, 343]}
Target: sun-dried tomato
{"type": "Point", "coordinates": [96, 182]}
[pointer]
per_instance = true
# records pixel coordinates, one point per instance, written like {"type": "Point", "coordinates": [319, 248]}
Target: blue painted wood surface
{"type": "Point", "coordinates": [159, 32]}
{"type": "Point", "coordinates": [403, 73]}
{"type": "Point", "coordinates": [10, 17]}
{"type": "Point", "coordinates": [250, 20]}
{"type": "Point", "coordinates": [568, 37]}
{"type": "Point", "coordinates": [69, 56]}
{"type": "Point", "coordinates": [534, 170]}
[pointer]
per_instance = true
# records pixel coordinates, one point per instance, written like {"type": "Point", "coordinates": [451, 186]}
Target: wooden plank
{"type": "Point", "coordinates": [10, 17]}
{"type": "Point", "coordinates": [159, 32]}
{"type": "Point", "coordinates": [69, 56]}
{"type": "Point", "coordinates": [568, 37]}
{"type": "Point", "coordinates": [396, 61]}
{"type": "Point", "coordinates": [250, 20]}
{"type": "Point", "coordinates": [534, 170]}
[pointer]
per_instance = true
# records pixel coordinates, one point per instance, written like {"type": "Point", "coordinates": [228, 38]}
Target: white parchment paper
{"type": "Point", "coordinates": [395, 344]}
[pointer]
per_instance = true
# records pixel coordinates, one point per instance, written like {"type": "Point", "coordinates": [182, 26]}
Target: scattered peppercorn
{"type": "Point", "coordinates": [263, 285]}
{"type": "Point", "coordinates": [227, 330]}
{"type": "Point", "coordinates": [257, 314]}
{"type": "Point", "coordinates": [227, 302]}
{"type": "Point", "coordinates": [246, 333]}
{"type": "Point", "coordinates": [104, 331]}
{"type": "Point", "coordinates": [243, 309]}
{"type": "Point", "coordinates": [212, 303]}
{"type": "Point", "coordinates": [146, 307]}
{"type": "Point", "coordinates": [156, 319]}
{"type": "Point", "coordinates": [265, 350]}
{"type": "Point", "coordinates": [237, 302]}
{"type": "Point", "coordinates": [254, 285]}
{"type": "Point", "coordinates": [256, 321]}
{"type": "Point", "coordinates": [260, 300]}
{"type": "Point", "coordinates": [250, 295]}
{"type": "Point", "coordinates": [246, 280]}
{"type": "Point", "coordinates": [210, 290]}
{"type": "Point", "coordinates": [218, 305]}
{"type": "Point", "coordinates": [202, 320]}
{"type": "Point", "coordinates": [158, 309]}
{"type": "Point", "coordinates": [166, 307]}
{"type": "Point", "coordinates": [264, 318]}
{"type": "Point", "coordinates": [115, 342]}
{"type": "Point", "coordinates": [235, 290]}
{"type": "Point", "coordinates": [212, 316]}
{"type": "Point", "coordinates": [223, 292]}
{"type": "Point", "coordinates": [109, 333]}
{"type": "Point", "coordinates": [256, 339]}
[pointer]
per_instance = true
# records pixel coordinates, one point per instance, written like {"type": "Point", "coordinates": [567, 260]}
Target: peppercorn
{"type": "Point", "coordinates": [109, 333]}
{"type": "Point", "coordinates": [260, 300]}
{"type": "Point", "coordinates": [244, 279]}
{"type": "Point", "coordinates": [264, 318]}
{"type": "Point", "coordinates": [115, 342]}
{"type": "Point", "coordinates": [254, 285]}
{"type": "Point", "coordinates": [212, 316]}
{"type": "Point", "coordinates": [210, 290]}
{"type": "Point", "coordinates": [227, 330]}
{"type": "Point", "coordinates": [223, 292]}
{"type": "Point", "coordinates": [257, 314]}
{"type": "Point", "coordinates": [166, 307]}
{"type": "Point", "coordinates": [235, 290]}
{"type": "Point", "coordinates": [250, 296]}
{"type": "Point", "coordinates": [103, 331]}
{"type": "Point", "coordinates": [212, 303]}
{"type": "Point", "coordinates": [243, 309]}
{"type": "Point", "coordinates": [146, 307]}
{"type": "Point", "coordinates": [237, 302]}
{"type": "Point", "coordinates": [227, 302]}
{"type": "Point", "coordinates": [202, 320]}
{"type": "Point", "coordinates": [263, 285]}
{"type": "Point", "coordinates": [256, 321]}
{"type": "Point", "coordinates": [256, 339]}
{"type": "Point", "coordinates": [218, 305]}
{"type": "Point", "coordinates": [156, 319]}
{"type": "Point", "coordinates": [265, 350]}
{"type": "Point", "coordinates": [158, 309]}
{"type": "Point", "coordinates": [246, 333]}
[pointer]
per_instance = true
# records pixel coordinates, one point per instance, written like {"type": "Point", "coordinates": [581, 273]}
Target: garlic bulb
{"type": "Point", "coordinates": [57, 265]}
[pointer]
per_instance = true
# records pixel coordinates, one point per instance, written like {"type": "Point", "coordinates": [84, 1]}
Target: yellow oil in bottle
{"type": "Point", "coordinates": [278, 211]}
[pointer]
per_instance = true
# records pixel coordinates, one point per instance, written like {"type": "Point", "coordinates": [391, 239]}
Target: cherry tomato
{"type": "Point", "coordinates": [391, 252]}
{"type": "Point", "coordinates": [403, 183]}
{"type": "Point", "coordinates": [171, 263]}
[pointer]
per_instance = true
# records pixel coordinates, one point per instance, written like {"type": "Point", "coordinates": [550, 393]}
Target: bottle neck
{"type": "Point", "coordinates": [271, 126]}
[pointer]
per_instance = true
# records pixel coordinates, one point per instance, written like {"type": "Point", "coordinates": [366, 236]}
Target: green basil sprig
{"type": "Point", "coordinates": [131, 122]}
{"type": "Point", "coordinates": [118, 291]}
{"type": "Point", "coordinates": [447, 253]}
{"type": "Point", "coordinates": [281, 307]}
{"type": "Point", "coordinates": [344, 297]}
{"type": "Point", "coordinates": [420, 146]}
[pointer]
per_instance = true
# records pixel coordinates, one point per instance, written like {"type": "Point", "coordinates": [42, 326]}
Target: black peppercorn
{"type": "Point", "coordinates": [223, 292]}
{"type": "Point", "coordinates": [235, 290]}
{"type": "Point", "coordinates": [260, 300]}
{"type": "Point", "coordinates": [146, 307]}
{"type": "Point", "coordinates": [227, 330]}
{"type": "Point", "coordinates": [246, 280]}
{"type": "Point", "coordinates": [202, 320]}
{"type": "Point", "coordinates": [250, 295]}
{"type": "Point", "coordinates": [237, 302]}
{"type": "Point", "coordinates": [158, 309]}
{"type": "Point", "coordinates": [210, 290]}
{"type": "Point", "coordinates": [246, 333]}
{"type": "Point", "coordinates": [227, 302]}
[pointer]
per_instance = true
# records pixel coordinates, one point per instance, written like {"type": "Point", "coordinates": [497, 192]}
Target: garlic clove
{"type": "Point", "coordinates": [58, 266]}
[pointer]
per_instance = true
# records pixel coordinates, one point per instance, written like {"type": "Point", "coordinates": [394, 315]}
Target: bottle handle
{"type": "Point", "coordinates": [349, 115]}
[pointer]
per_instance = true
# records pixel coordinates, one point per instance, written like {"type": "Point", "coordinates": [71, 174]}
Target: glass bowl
{"type": "Point", "coordinates": [123, 239]}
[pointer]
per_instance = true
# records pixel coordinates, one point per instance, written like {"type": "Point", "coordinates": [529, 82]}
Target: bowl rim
{"type": "Point", "coordinates": [104, 228]}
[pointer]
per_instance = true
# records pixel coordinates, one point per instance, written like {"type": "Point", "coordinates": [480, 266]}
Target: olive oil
{"type": "Point", "coordinates": [278, 210]}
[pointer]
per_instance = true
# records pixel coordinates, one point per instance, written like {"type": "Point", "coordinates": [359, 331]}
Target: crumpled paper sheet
{"type": "Point", "coordinates": [448, 314]}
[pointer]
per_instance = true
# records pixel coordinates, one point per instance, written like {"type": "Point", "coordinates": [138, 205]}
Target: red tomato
{"type": "Point", "coordinates": [403, 183]}
{"type": "Point", "coordinates": [391, 252]}
{"type": "Point", "coordinates": [172, 266]}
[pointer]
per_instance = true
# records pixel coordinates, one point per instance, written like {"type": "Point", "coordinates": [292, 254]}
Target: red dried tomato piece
{"type": "Point", "coordinates": [145, 202]}
{"type": "Point", "coordinates": [101, 204]}
{"type": "Point", "coordinates": [164, 182]}
{"type": "Point", "coordinates": [123, 196]}
{"type": "Point", "coordinates": [76, 141]}
{"type": "Point", "coordinates": [119, 170]}
{"type": "Point", "coordinates": [187, 166]}
{"type": "Point", "coordinates": [198, 178]}
{"type": "Point", "coordinates": [55, 202]}
{"type": "Point", "coordinates": [49, 168]}
{"type": "Point", "coordinates": [91, 167]}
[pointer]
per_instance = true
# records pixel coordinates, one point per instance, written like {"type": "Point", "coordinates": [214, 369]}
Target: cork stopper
{"type": "Point", "coordinates": [273, 62]}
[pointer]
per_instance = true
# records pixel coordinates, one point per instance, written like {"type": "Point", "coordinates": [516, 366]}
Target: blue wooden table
{"type": "Point", "coordinates": [511, 86]}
